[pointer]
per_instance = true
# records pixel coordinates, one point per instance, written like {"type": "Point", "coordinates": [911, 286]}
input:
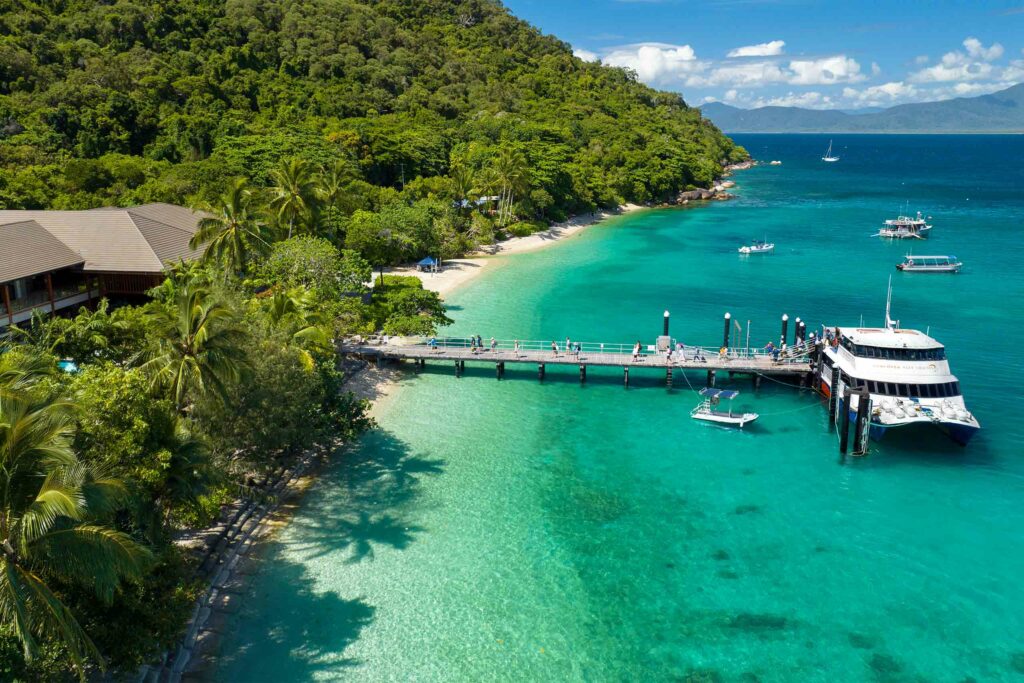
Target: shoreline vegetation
{"type": "Point", "coordinates": [403, 130]}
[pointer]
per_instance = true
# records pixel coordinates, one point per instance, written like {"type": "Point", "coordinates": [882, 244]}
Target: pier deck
{"type": "Point", "coordinates": [744, 361]}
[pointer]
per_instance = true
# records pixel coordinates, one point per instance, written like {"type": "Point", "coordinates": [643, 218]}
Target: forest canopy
{"type": "Point", "coordinates": [125, 102]}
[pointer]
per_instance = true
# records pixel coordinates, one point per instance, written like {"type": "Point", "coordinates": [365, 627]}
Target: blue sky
{"type": "Point", "coordinates": [822, 55]}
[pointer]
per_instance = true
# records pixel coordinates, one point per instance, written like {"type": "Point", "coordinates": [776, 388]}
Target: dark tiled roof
{"type": "Point", "coordinates": [140, 239]}
{"type": "Point", "coordinates": [29, 250]}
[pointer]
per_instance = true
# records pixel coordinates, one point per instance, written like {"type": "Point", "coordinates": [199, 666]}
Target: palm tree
{"type": "Point", "coordinates": [295, 312]}
{"type": "Point", "coordinates": [231, 233]}
{"type": "Point", "coordinates": [462, 186]}
{"type": "Point", "coordinates": [199, 347]}
{"type": "Point", "coordinates": [294, 193]}
{"type": "Point", "coordinates": [512, 173]}
{"type": "Point", "coordinates": [48, 529]}
{"type": "Point", "coordinates": [332, 190]}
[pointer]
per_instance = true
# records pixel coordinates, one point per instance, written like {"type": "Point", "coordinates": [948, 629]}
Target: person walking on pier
{"type": "Point", "coordinates": [494, 344]}
{"type": "Point", "coordinates": [636, 351]}
{"type": "Point", "coordinates": [577, 349]}
{"type": "Point", "coordinates": [554, 349]}
{"type": "Point", "coordinates": [568, 346]}
{"type": "Point", "coordinates": [515, 348]}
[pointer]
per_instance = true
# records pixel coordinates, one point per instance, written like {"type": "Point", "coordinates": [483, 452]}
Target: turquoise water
{"type": "Point", "coordinates": [519, 530]}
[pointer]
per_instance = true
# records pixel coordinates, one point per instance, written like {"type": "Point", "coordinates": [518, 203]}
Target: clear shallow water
{"type": "Point", "coordinates": [516, 530]}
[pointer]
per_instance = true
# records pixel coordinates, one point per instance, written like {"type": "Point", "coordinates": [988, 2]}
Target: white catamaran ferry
{"type": "Point", "coordinates": [906, 373]}
{"type": "Point", "coordinates": [905, 227]}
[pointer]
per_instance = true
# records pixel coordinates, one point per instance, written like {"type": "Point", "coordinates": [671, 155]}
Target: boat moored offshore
{"type": "Point", "coordinates": [906, 374]}
{"type": "Point", "coordinates": [929, 264]}
{"type": "Point", "coordinates": [758, 248]}
{"type": "Point", "coordinates": [905, 227]}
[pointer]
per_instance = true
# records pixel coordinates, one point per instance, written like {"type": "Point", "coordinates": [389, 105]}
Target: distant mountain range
{"type": "Point", "coordinates": [1001, 112]}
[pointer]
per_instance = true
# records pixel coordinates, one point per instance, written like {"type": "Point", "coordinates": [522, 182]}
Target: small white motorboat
{"type": "Point", "coordinates": [758, 248]}
{"type": "Point", "coordinates": [930, 264]}
{"type": "Point", "coordinates": [707, 410]}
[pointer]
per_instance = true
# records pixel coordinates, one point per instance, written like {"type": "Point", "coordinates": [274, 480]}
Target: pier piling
{"type": "Point", "coordinates": [665, 328]}
{"type": "Point", "coordinates": [727, 332]}
{"type": "Point", "coordinates": [785, 328]}
{"type": "Point", "coordinates": [457, 369]}
{"type": "Point", "coordinates": [711, 378]}
{"type": "Point", "coordinates": [860, 433]}
{"type": "Point", "coordinates": [668, 377]}
{"type": "Point", "coordinates": [540, 371]}
{"type": "Point", "coordinates": [625, 376]}
{"type": "Point", "coordinates": [844, 431]}
{"type": "Point", "coordinates": [833, 393]}
{"type": "Point", "coordinates": [583, 373]}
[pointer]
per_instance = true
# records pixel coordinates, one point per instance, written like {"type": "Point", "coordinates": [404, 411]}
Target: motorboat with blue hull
{"type": "Point", "coordinates": [906, 375]}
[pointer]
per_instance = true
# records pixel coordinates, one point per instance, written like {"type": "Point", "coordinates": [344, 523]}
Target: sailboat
{"type": "Point", "coordinates": [828, 154]}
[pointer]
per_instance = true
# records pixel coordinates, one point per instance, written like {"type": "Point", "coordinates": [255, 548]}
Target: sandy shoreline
{"type": "Point", "coordinates": [459, 271]}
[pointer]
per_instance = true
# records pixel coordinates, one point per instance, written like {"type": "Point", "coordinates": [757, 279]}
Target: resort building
{"type": "Point", "coordinates": [54, 260]}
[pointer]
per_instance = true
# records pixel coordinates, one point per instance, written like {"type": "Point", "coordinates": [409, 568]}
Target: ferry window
{"type": "Point", "coordinates": [929, 390]}
{"type": "Point", "coordinates": [904, 390]}
{"type": "Point", "coordinates": [956, 388]}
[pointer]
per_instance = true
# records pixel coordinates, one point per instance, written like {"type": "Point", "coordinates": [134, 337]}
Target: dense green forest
{"type": "Point", "coordinates": [115, 103]}
{"type": "Point", "coordinates": [322, 139]}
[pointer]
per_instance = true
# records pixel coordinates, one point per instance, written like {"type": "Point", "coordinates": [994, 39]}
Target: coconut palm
{"type": "Point", "coordinates": [231, 232]}
{"type": "Point", "coordinates": [294, 193]}
{"type": "Point", "coordinates": [295, 312]}
{"type": "Point", "coordinates": [463, 185]}
{"type": "Point", "coordinates": [512, 173]}
{"type": "Point", "coordinates": [49, 502]}
{"type": "Point", "coordinates": [332, 191]}
{"type": "Point", "coordinates": [199, 346]}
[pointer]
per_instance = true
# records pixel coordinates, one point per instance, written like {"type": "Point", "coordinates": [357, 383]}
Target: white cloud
{"type": "Point", "coordinates": [875, 69]}
{"type": "Point", "coordinates": [921, 59]}
{"type": "Point", "coordinates": [960, 66]}
{"type": "Point", "coordinates": [769, 49]}
{"type": "Point", "coordinates": [585, 55]}
{"type": "Point", "coordinates": [744, 74]}
{"type": "Point", "coordinates": [883, 95]}
{"type": "Point", "coordinates": [656, 62]}
{"type": "Point", "coordinates": [809, 100]}
{"type": "Point", "coordinates": [825, 71]}
{"type": "Point", "coordinates": [978, 51]}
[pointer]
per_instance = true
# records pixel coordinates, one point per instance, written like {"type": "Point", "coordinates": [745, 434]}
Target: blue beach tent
{"type": "Point", "coordinates": [429, 263]}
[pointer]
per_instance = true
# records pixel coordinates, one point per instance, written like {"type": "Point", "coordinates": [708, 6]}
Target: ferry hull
{"type": "Point", "coordinates": [957, 431]}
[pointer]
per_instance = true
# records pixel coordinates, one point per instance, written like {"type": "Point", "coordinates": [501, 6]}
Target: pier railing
{"type": "Point", "coordinates": [527, 347]}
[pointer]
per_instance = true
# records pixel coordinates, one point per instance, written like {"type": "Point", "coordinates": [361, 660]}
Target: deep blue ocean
{"type": "Point", "coordinates": [518, 530]}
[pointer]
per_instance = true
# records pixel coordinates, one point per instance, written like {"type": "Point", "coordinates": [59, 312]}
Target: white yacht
{"type": "Point", "coordinates": [828, 154]}
{"type": "Point", "coordinates": [904, 227]}
{"type": "Point", "coordinates": [906, 373]}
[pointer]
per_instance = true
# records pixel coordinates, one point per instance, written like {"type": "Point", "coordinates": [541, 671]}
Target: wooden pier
{"type": "Point", "coordinates": [795, 364]}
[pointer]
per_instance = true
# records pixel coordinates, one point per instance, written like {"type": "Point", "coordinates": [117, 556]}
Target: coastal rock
{"type": "Point", "coordinates": [742, 166]}
{"type": "Point", "coordinates": [695, 194]}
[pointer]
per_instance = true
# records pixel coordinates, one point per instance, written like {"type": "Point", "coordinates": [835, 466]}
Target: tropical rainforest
{"type": "Point", "coordinates": [321, 139]}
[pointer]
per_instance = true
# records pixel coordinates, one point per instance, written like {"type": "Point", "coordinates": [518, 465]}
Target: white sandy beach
{"type": "Point", "coordinates": [457, 272]}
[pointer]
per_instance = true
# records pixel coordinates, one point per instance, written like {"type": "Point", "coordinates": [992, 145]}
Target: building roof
{"type": "Point", "coordinates": [37, 251]}
{"type": "Point", "coordinates": [139, 239]}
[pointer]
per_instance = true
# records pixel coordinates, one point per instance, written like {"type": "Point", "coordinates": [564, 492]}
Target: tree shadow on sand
{"type": "Point", "coordinates": [370, 501]}
{"type": "Point", "coordinates": [289, 631]}
{"type": "Point", "coordinates": [292, 633]}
